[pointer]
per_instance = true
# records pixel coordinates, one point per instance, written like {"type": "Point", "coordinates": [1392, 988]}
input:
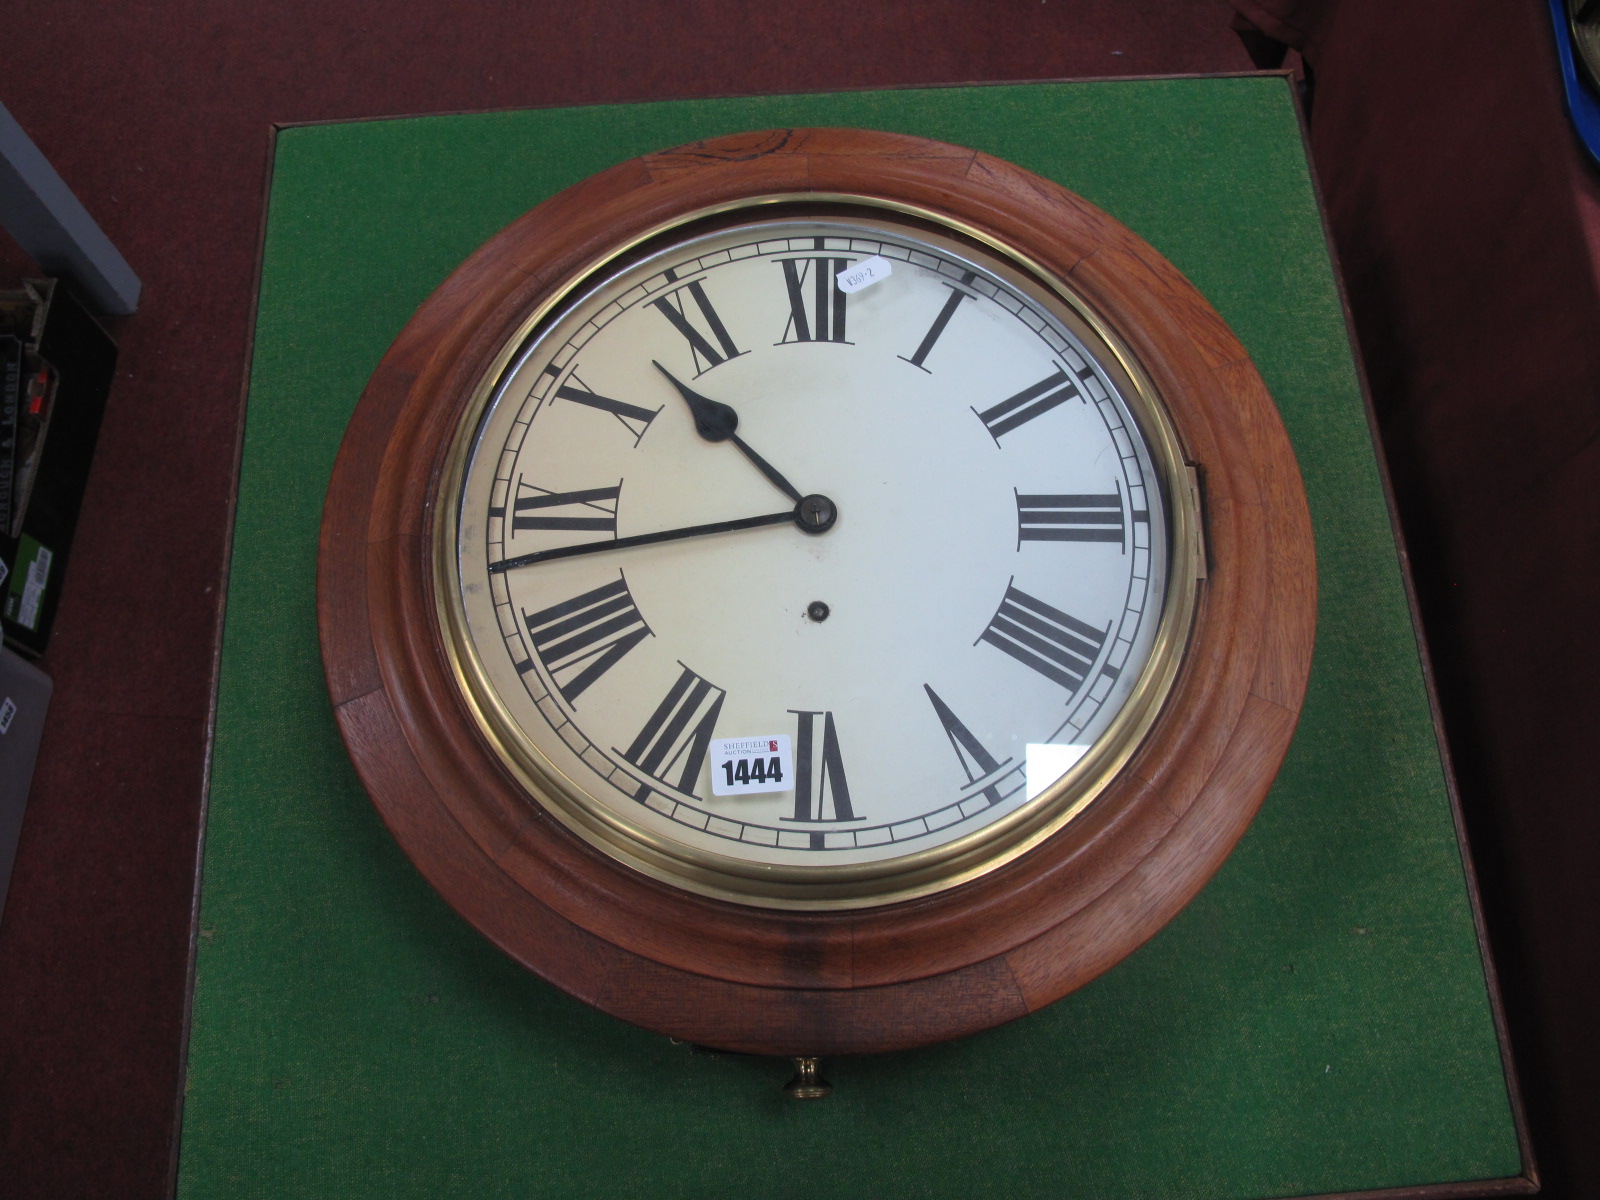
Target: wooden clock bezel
{"type": "Point", "coordinates": [844, 981]}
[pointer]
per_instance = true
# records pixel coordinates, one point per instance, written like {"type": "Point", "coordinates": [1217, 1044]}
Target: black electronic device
{"type": "Point", "coordinates": [56, 367]}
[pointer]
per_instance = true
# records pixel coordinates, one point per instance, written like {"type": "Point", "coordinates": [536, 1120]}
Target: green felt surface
{"type": "Point", "coordinates": [1315, 1021]}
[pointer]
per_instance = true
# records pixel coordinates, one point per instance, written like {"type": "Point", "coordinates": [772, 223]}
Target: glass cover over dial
{"type": "Point", "coordinates": [817, 560]}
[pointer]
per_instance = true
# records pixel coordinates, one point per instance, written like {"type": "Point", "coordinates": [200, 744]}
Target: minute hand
{"type": "Point", "coordinates": [716, 422]}
{"type": "Point", "coordinates": [641, 539]}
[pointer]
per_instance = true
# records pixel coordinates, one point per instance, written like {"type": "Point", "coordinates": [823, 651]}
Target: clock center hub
{"type": "Point", "coordinates": [815, 514]}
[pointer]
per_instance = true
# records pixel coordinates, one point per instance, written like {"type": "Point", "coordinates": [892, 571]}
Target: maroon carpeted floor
{"type": "Point", "coordinates": [1455, 194]}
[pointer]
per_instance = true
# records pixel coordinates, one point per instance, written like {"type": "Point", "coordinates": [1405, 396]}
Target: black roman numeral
{"type": "Point", "coordinates": [581, 639]}
{"type": "Point", "coordinates": [1085, 518]}
{"type": "Point", "coordinates": [593, 509]}
{"type": "Point", "coordinates": [634, 419]}
{"type": "Point", "coordinates": [1032, 401]}
{"type": "Point", "coordinates": [823, 319]}
{"type": "Point", "coordinates": [1058, 646]}
{"type": "Point", "coordinates": [821, 792]}
{"type": "Point", "coordinates": [673, 744]}
{"type": "Point", "coordinates": [975, 761]}
{"type": "Point", "coordinates": [675, 310]}
{"type": "Point", "coordinates": [949, 310]}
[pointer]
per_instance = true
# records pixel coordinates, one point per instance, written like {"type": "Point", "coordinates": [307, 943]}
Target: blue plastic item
{"type": "Point", "coordinates": [1581, 100]}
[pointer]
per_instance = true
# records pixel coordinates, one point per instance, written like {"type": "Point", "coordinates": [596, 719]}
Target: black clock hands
{"type": "Point", "coordinates": [716, 422]}
{"type": "Point", "coordinates": [813, 514]}
{"type": "Point", "coordinates": [713, 420]}
{"type": "Point", "coordinates": [645, 539]}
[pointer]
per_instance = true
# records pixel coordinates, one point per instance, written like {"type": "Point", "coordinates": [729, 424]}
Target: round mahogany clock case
{"type": "Point", "coordinates": [816, 591]}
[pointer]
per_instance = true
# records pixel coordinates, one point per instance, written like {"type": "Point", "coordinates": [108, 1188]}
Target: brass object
{"type": "Point", "coordinates": [807, 1084]}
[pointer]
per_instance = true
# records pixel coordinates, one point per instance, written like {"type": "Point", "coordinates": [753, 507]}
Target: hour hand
{"type": "Point", "coordinates": [716, 422]}
{"type": "Point", "coordinates": [713, 420]}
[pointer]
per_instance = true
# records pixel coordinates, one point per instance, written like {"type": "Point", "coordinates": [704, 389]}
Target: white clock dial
{"type": "Point", "coordinates": [978, 616]}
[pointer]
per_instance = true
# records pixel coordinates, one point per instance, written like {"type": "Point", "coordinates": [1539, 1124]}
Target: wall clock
{"type": "Point", "coordinates": [816, 591]}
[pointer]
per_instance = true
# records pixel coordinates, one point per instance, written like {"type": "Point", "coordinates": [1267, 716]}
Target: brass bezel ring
{"type": "Point", "coordinates": [904, 877]}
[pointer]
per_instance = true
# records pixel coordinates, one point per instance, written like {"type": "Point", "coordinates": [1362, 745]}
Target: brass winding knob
{"type": "Point", "coordinates": [807, 1084]}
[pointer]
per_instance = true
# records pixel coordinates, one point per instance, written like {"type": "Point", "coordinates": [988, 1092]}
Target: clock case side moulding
{"type": "Point", "coordinates": [783, 982]}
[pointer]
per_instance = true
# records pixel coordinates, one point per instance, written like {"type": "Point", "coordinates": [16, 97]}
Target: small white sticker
{"type": "Point", "coordinates": [864, 274]}
{"type": "Point", "coordinates": [740, 766]}
{"type": "Point", "coordinates": [7, 711]}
